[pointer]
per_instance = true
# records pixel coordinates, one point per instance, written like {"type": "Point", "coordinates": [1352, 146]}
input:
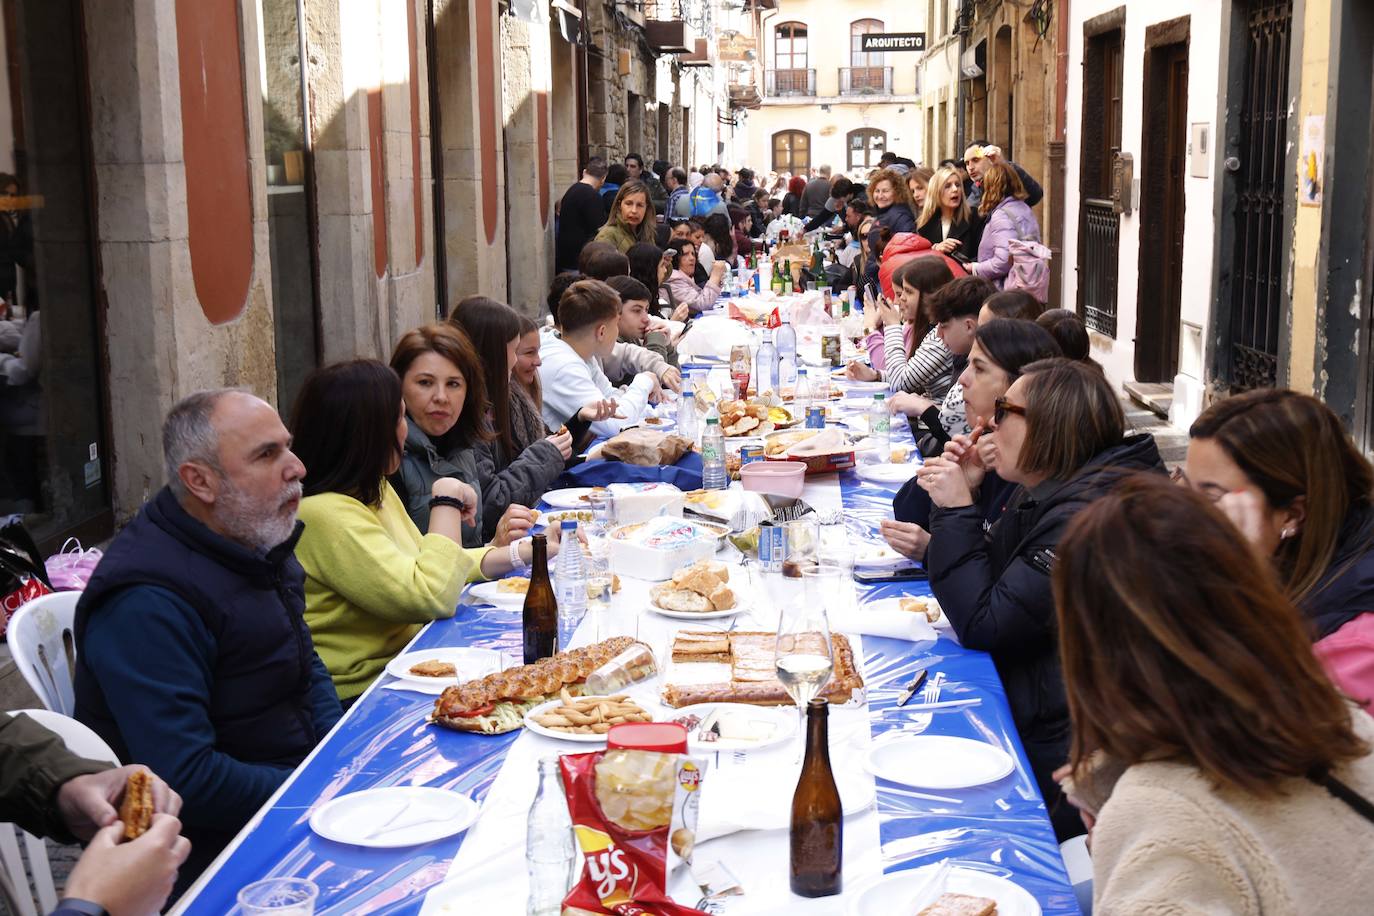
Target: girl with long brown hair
{"type": "Point", "coordinates": [1006, 218]}
{"type": "Point", "coordinates": [1282, 466]}
{"type": "Point", "coordinates": [512, 473]}
{"type": "Point", "coordinates": [1219, 769]}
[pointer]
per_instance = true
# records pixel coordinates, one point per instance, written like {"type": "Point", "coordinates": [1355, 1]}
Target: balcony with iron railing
{"type": "Point", "coordinates": [793, 83]}
{"type": "Point", "coordinates": [865, 81]}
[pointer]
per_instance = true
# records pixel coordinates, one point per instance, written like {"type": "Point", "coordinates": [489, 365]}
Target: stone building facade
{"type": "Point", "coordinates": [218, 192]}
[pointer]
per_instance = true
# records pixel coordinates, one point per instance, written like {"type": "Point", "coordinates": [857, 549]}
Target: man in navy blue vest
{"type": "Point", "coordinates": [193, 657]}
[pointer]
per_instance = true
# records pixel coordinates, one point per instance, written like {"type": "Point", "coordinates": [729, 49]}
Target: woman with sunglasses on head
{"type": "Point", "coordinates": [1059, 437]}
{"type": "Point", "coordinates": [1283, 468]}
{"type": "Point", "coordinates": [1217, 767]}
{"type": "Point", "coordinates": [999, 350]}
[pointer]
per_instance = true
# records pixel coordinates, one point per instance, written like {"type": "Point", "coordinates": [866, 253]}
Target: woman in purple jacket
{"type": "Point", "coordinates": [1006, 217]}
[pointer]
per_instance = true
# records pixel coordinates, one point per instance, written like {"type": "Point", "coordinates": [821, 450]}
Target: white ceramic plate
{"type": "Point", "coordinates": [878, 556]}
{"type": "Point", "coordinates": [471, 663]}
{"type": "Point", "coordinates": [421, 815]}
{"type": "Point", "coordinates": [568, 498]}
{"type": "Point", "coordinates": [780, 723]}
{"type": "Point", "coordinates": [488, 593]}
{"type": "Point", "coordinates": [533, 726]}
{"type": "Point", "coordinates": [896, 893]}
{"type": "Point", "coordinates": [886, 472]}
{"type": "Point", "coordinates": [938, 761]}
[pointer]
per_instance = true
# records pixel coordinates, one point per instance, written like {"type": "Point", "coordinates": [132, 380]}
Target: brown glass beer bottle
{"type": "Point", "coordinates": [541, 607]}
{"type": "Point", "coordinates": [817, 818]}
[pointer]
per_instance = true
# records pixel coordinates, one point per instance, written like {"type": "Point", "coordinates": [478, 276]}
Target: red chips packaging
{"type": "Point", "coordinates": [631, 810]}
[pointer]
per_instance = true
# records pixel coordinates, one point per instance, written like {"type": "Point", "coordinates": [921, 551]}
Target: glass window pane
{"type": "Point", "coordinates": [51, 419]}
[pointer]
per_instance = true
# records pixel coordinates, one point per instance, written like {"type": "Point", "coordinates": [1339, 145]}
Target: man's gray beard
{"type": "Point", "coordinates": [260, 528]}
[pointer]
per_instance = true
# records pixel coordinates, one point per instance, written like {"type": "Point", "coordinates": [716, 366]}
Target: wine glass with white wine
{"type": "Point", "coordinates": [801, 654]}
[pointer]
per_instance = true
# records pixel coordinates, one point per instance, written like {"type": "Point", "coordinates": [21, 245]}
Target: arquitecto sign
{"type": "Point", "coordinates": [893, 41]}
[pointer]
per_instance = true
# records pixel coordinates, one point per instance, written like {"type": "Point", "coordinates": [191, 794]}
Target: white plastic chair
{"type": "Point", "coordinates": [1079, 864]}
{"type": "Point", "coordinates": [83, 742]}
{"type": "Point", "coordinates": [40, 635]}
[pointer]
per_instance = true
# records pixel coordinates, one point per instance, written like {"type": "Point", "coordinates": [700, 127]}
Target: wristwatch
{"type": "Point", "coordinates": [74, 905]}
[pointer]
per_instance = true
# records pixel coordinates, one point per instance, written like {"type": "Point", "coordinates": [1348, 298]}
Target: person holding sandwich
{"type": "Point", "coordinates": [48, 791]}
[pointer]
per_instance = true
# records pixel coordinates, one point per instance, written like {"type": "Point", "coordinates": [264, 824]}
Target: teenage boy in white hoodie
{"type": "Point", "coordinates": [570, 372]}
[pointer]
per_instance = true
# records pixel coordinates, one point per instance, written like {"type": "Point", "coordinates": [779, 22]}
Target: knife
{"type": "Point", "coordinates": [914, 686]}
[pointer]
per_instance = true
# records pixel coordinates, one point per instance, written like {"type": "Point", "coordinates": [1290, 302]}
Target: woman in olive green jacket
{"type": "Point", "coordinates": [631, 218]}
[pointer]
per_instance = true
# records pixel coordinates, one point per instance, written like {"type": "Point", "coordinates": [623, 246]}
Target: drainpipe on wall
{"type": "Point", "coordinates": [580, 63]}
{"type": "Point", "coordinates": [960, 142]}
{"type": "Point", "coordinates": [1058, 156]}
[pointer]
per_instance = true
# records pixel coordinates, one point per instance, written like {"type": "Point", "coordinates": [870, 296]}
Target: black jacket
{"type": "Point", "coordinates": [1346, 590]}
{"type": "Point", "coordinates": [995, 590]}
{"type": "Point", "coordinates": [968, 233]}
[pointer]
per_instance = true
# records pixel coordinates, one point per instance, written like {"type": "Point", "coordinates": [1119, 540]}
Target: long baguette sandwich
{"type": "Point", "coordinates": [497, 703]}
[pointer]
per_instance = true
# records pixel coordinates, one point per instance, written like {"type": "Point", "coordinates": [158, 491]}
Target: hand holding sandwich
{"type": "Point", "coordinates": [88, 803]}
{"type": "Point", "coordinates": [131, 878]}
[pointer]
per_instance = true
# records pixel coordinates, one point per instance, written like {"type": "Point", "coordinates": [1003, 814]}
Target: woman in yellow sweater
{"type": "Point", "coordinates": [372, 578]}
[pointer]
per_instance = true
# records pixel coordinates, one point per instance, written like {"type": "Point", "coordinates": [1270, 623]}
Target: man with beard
{"type": "Point", "coordinates": [193, 657]}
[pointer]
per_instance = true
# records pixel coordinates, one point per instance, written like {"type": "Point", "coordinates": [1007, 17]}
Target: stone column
{"type": "Point", "coordinates": [160, 343]}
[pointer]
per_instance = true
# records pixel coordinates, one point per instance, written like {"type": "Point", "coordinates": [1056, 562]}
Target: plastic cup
{"type": "Point", "coordinates": [279, 897]}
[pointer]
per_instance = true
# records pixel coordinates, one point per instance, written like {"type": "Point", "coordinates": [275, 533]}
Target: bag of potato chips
{"type": "Point", "coordinates": [631, 811]}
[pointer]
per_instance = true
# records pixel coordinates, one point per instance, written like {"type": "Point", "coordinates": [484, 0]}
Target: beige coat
{"type": "Point", "coordinates": [1167, 842]}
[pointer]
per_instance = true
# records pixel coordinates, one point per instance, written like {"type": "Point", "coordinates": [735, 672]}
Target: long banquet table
{"type": "Point", "coordinates": [1000, 828]}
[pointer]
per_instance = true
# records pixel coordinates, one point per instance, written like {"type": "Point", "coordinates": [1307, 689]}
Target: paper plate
{"type": "Point", "coordinates": [886, 472]}
{"type": "Point", "coordinates": [395, 816]}
{"type": "Point", "coordinates": [490, 593]}
{"type": "Point", "coordinates": [568, 498]}
{"type": "Point", "coordinates": [696, 615]}
{"type": "Point", "coordinates": [938, 761]}
{"type": "Point", "coordinates": [895, 604]}
{"type": "Point", "coordinates": [878, 556]}
{"type": "Point", "coordinates": [471, 663]}
{"type": "Point", "coordinates": [897, 892]}
{"type": "Point", "coordinates": [861, 386]}
{"type": "Point", "coordinates": [536, 728]}
{"type": "Point", "coordinates": [782, 719]}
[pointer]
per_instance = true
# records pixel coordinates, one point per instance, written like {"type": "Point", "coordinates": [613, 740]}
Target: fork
{"type": "Point", "coordinates": [930, 693]}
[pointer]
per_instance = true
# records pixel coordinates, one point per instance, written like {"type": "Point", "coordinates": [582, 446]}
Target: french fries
{"type": "Point", "coordinates": [591, 715]}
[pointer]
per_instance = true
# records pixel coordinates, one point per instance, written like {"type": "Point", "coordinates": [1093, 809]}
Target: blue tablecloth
{"type": "Point", "coordinates": [384, 741]}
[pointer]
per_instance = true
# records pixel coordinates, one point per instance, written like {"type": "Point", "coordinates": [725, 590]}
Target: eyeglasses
{"type": "Point", "coordinates": [1001, 407]}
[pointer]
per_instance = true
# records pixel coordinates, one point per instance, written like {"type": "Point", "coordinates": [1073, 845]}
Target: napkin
{"type": "Point", "coordinates": [890, 623]}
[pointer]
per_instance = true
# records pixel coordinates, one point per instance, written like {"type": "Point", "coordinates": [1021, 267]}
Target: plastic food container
{"type": "Point", "coordinates": [776, 478]}
{"type": "Point", "coordinates": [664, 737]}
{"type": "Point", "coordinates": [633, 665]}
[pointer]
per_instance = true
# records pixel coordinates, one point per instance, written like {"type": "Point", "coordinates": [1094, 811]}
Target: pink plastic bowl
{"type": "Point", "coordinates": [776, 478]}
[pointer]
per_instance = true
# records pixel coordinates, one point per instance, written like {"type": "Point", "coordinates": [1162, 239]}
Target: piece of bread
{"type": "Point", "coordinates": [136, 811]}
{"type": "Point", "coordinates": [699, 581]}
{"type": "Point", "coordinates": [679, 599]}
{"type": "Point", "coordinates": [516, 585]}
{"type": "Point", "coordinates": [960, 905]}
{"type": "Point", "coordinates": [921, 606]}
{"type": "Point", "coordinates": [701, 646]}
{"type": "Point", "coordinates": [722, 599]}
{"type": "Point", "coordinates": [434, 668]}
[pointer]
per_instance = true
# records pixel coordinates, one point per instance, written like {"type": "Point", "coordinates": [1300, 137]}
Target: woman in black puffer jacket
{"type": "Point", "coordinates": [1058, 434]}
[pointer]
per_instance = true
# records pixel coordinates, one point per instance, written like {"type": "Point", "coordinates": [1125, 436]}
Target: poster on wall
{"type": "Point", "coordinates": [1310, 170]}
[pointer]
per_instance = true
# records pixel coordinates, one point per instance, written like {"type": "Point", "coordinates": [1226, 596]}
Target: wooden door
{"type": "Point", "coordinates": [1164, 173]}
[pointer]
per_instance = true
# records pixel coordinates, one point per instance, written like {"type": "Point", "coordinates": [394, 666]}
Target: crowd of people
{"type": "Point", "coordinates": [1189, 665]}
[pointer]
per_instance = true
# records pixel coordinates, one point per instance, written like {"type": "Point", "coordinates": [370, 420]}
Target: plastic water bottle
{"type": "Point", "coordinates": [550, 848]}
{"type": "Point", "coordinates": [713, 473]}
{"type": "Point", "coordinates": [571, 587]}
{"type": "Point", "coordinates": [787, 339]}
{"type": "Point", "coordinates": [801, 397]}
{"type": "Point", "coordinates": [766, 365]}
{"type": "Point", "coordinates": [879, 430]}
{"type": "Point", "coordinates": [687, 415]}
